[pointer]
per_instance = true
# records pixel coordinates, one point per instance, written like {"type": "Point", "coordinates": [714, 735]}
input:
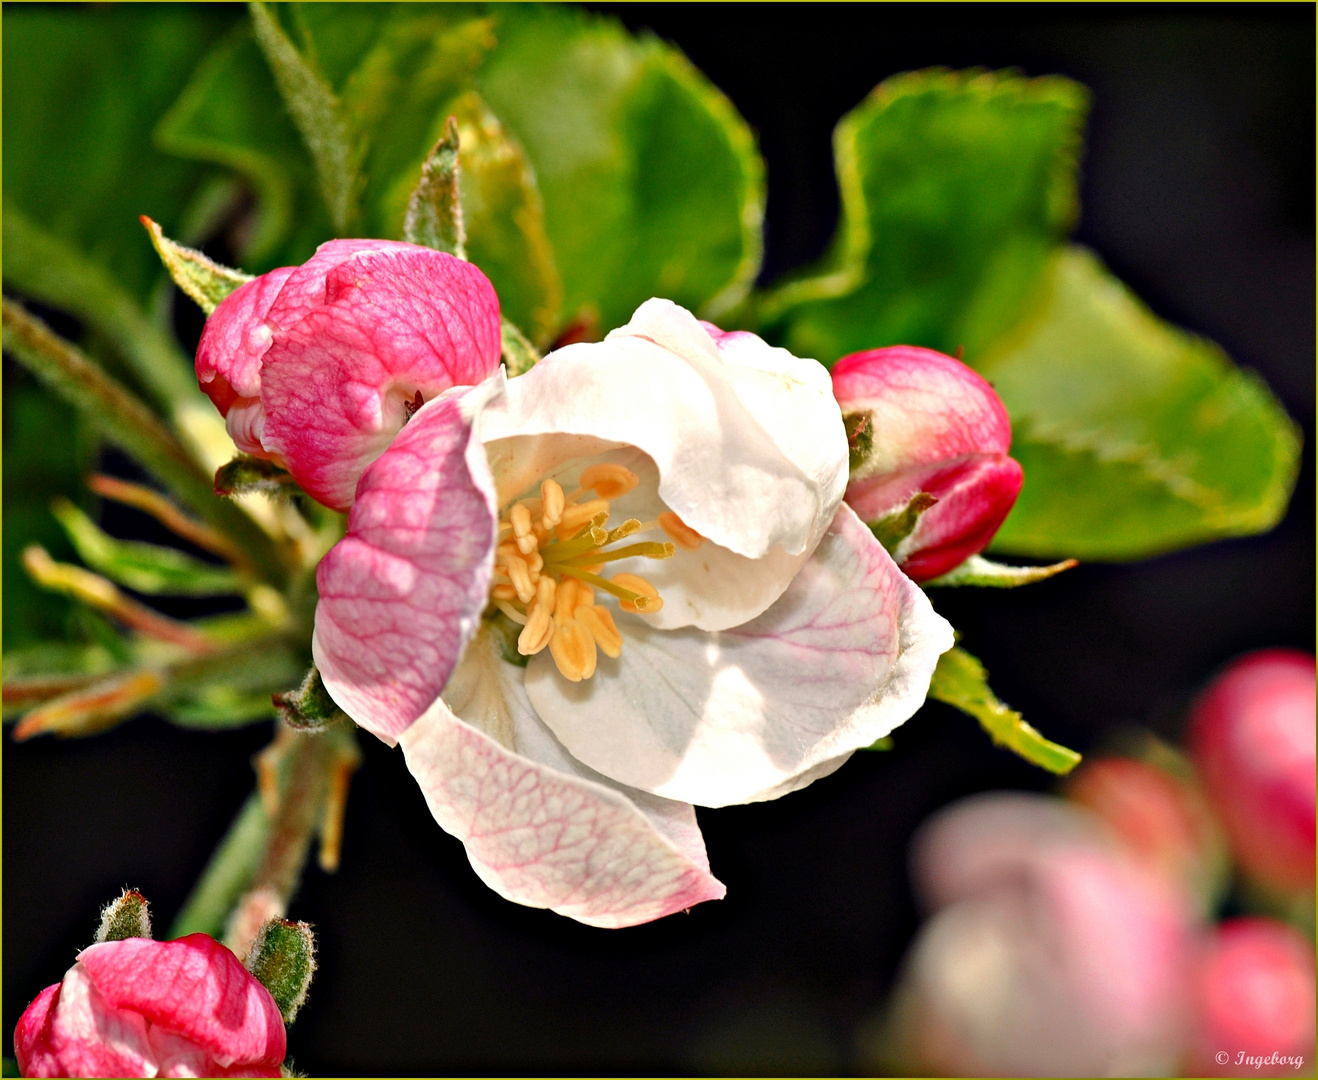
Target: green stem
{"type": "Point", "coordinates": [129, 424]}
{"type": "Point", "coordinates": [227, 876]}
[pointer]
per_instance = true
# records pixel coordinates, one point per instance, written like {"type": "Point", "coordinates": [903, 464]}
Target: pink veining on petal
{"type": "Point", "coordinates": [195, 988]}
{"type": "Point", "coordinates": [84, 1035]}
{"type": "Point", "coordinates": [32, 1035]}
{"type": "Point", "coordinates": [543, 838]}
{"type": "Point", "coordinates": [236, 338]}
{"type": "Point", "coordinates": [402, 593]}
{"type": "Point", "coordinates": [338, 384]}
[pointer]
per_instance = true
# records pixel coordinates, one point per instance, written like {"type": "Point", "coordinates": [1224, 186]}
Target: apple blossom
{"type": "Point", "coordinates": [1051, 952]}
{"type": "Point", "coordinates": [922, 421]}
{"type": "Point", "coordinates": [618, 585]}
{"type": "Point", "coordinates": [1252, 735]}
{"type": "Point", "coordinates": [138, 1007]}
{"type": "Point", "coordinates": [1257, 1000]}
{"type": "Point", "coordinates": [318, 366]}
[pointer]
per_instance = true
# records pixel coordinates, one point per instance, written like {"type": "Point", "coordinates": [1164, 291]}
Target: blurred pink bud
{"type": "Point", "coordinates": [1163, 821]}
{"type": "Point", "coordinates": [1053, 952]}
{"type": "Point", "coordinates": [138, 1007]}
{"type": "Point", "coordinates": [922, 421]}
{"type": "Point", "coordinates": [319, 366]}
{"type": "Point", "coordinates": [1257, 986]}
{"type": "Point", "coordinates": [1252, 735]}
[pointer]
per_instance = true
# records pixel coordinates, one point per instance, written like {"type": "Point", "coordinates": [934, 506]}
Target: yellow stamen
{"type": "Point", "coordinates": [503, 592]}
{"type": "Point", "coordinates": [631, 525]}
{"type": "Point", "coordinates": [641, 601]}
{"type": "Point", "coordinates": [683, 535]}
{"type": "Point", "coordinates": [520, 575]}
{"type": "Point", "coordinates": [545, 591]}
{"type": "Point", "coordinates": [566, 600]}
{"type": "Point", "coordinates": [520, 517]}
{"type": "Point", "coordinates": [609, 481]}
{"type": "Point", "coordinates": [551, 495]}
{"type": "Point", "coordinates": [512, 613]}
{"type": "Point", "coordinates": [636, 584]}
{"type": "Point", "coordinates": [646, 550]}
{"type": "Point", "coordinates": [574, 517]}
{"type": "Point", "coordinates": [573, 650]}
{"type": "Point", "coordinates": [602, 628]}
{"type": "Point", "coordinates": [537, 633]}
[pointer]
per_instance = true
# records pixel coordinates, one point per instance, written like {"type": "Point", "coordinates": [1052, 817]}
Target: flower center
{"type": "Point", "coordinates": [550, 561]}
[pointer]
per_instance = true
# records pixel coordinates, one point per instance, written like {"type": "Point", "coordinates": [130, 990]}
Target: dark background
{"type": "Point", "coordinates": [1198, 191]}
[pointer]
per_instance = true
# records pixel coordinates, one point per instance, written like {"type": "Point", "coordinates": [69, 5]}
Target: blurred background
{"type": "Point", "coordinates": [1198, 192]}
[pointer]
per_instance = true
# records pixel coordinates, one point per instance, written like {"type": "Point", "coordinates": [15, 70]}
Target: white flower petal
{"type": "Point", "coordinates": [540, 828]}
{"type": "Point", "coordinates": [841, 659]}
{"type": "Point", "coordinates": [750, 455]}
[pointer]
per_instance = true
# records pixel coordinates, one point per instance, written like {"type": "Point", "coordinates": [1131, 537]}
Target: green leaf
{"type": "Point", "coordinates": [143, 567]}
{"type": "Point", "coordinates": [434, 210]}
{"type": "Point", "coordinates": [1135, 437]}
{"type": "Point", "coordinates": [651, 182]}
{"type": "Point", "coordinates": [985, 573]}
{"type": "Point", "coordinates": [83, 89]}
{"type": "Point", "coordinates": [955, 187]}
{"type": "Point", "coordinates": [126, 421]}
{"type": "Point", "coordinates": [230, 114]}
{"type": "Point", "coordinates": [505, 221]}
{"type": "Point", "coordinates": [203, 279]}
{"type": "Point", "coordinates": [316, 113]}
{"type": "Point", "coordinates": [961, 681]}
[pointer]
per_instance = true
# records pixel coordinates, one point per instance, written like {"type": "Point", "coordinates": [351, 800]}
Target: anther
{"type": "Point", "coordinates": [545, 590]}
{"type": "Point", "coordinates": [520, 574]}
{"type": "Point", "coordinates": [512, 613]}
{"type": "Point", "coordinates": [551, 496]}
{"type": "Point", "coordinates": [682, 534]}
{"type": "Point", "coordinates": [574, 517]}
{"type": "Point", "coordinates": [608, 481]}
{"type": "Point", "coordinates": [602, 628]}
{"type": "Point", "coordinates": [573, 650]}
{"type": "Point", "coordinates": [643, 590]}
{"type": "Point", "coordinates": [537, 633]}
{"type": "Point", "coordinates": [504, 592]}
{"type": "Point", "coordinates": [520, 517]}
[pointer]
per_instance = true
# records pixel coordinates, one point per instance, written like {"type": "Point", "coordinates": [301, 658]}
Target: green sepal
{"type": "Point", "coordinates": [248, 475]}
{"type": "Point", "coordinates": [961, 681]}
{"type": "Point", "coordinates": [283, 960]}
{"type": "Point", "coordinates": [891, 529]}
{"type": "Point", "coordinates": [203, 279]}
{"type": "Point", "coordinates": [434, 210]}
{"type": "Point", "coordinates": [860, 438]}
{"type": "Point", "coordinates": [519, 355]}
{"type": "Point", "coordinates": [145, 568]}
{"type": "Point", "coordinates": [985, 573]}
{"type": "Point", "coordinates": [127, 917]}
{"type": "Point", "coordinates": [309, 707]}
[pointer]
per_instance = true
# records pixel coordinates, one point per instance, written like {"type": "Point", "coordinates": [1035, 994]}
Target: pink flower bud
{"type": "Point", "coordinates": [1252, 735]}
{"type": "Point", "coordinates": [921, 421]}
{"type": "Point", "coordinates": [319, 366]}
{"type": "Point", "coordinates": [138, 1007]}
{"type": "Point", "coordinates": [1257, 1002]}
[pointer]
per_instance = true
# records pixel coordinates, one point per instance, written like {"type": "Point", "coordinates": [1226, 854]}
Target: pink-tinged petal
{"type": "Point", "coordinates": [843, 657]}
{"type": "Point", "coordinates": [1252, 734]}
{"type": "Point", "coordinates": [538, 828]}
{"type": "Point", "coordinates": [236, 338]}
{"type": "Point", "coordinates": [85, 1035]}
{"type": "Point", "coordinates": [975, 494]}
{"type": "Point", "coordinates": [337, 385]}
{"type": "Point", "coordinates": [304, 288]}
{"type": "Point", "coordinates": [32, 1035]}
{"type": "Point", "coordinates": [1257, 988]}
{"type": "Point", "coordinates": [195, 988]}
{"type": "Point", "coordinates": [402, 592]}
{"type": "Point", "coordinates": [925, 407]}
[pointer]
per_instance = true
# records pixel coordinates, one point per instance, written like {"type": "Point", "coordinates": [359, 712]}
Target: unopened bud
{"type": "Point", "coordinates": [246, 475]}
{"type": "Point", "coordinates": [921, 422]}
{"type": "Point", "coordinates": [283, 960]}
{"type": "Point", "coordinates": [127, 917]}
